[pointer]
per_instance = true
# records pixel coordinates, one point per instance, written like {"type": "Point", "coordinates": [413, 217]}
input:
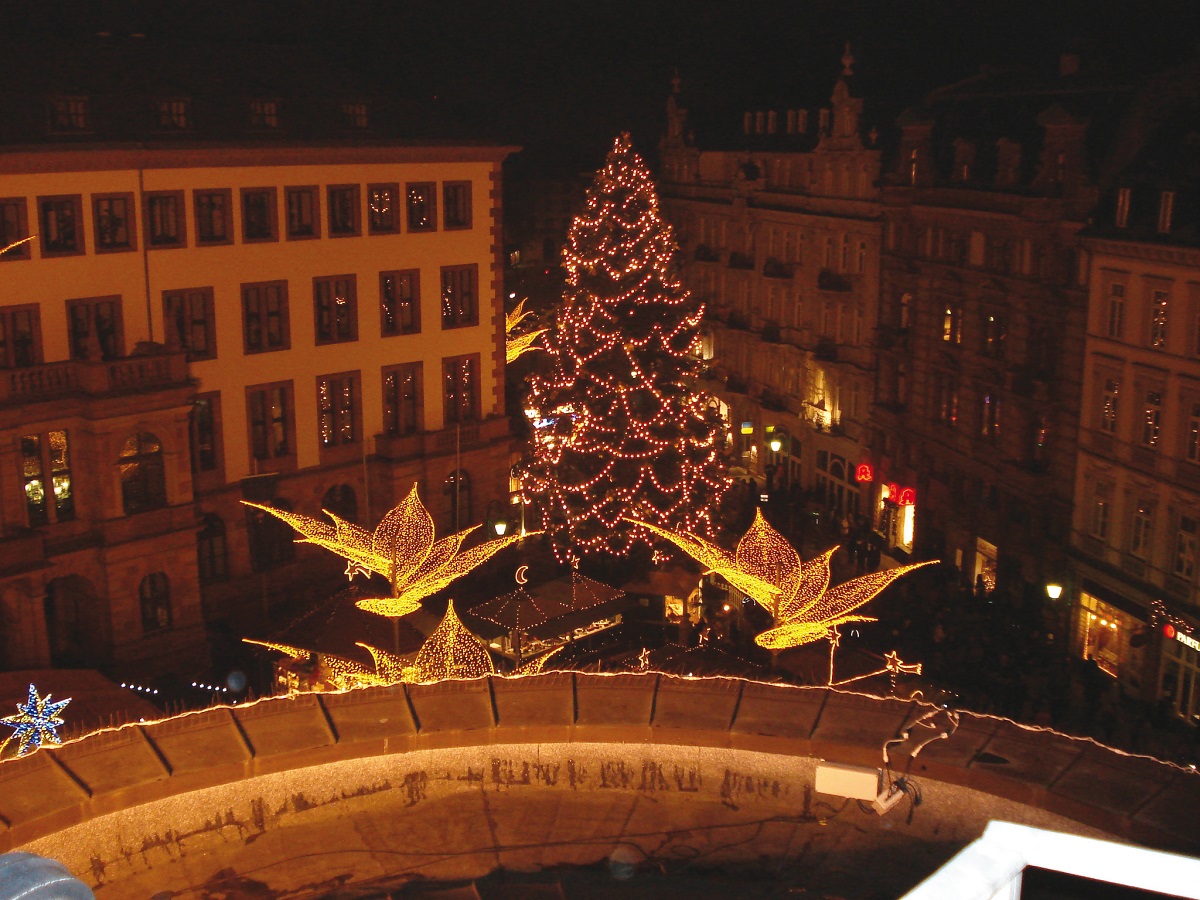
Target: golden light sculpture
{"type": "Point", "coordinates": [452, 651]}
{"type": "Point", "coordinates": [804, 607]}
{"type": "Point", "coordinates": [402, 549]}
{"type": "Point", "coordinates": [753, 584]}
{"type": "Point", "coordinates": [521, 343]}
{"type": "Point", "coordinates": [336, 672]}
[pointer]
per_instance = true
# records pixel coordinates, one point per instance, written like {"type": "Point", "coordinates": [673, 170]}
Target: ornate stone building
{"type": "Point", "coordinates": [983, 299]}
{"type": "Point", "coordinates": [1136, 529]}
{"type": "Point", "coordinates": [781, 239]}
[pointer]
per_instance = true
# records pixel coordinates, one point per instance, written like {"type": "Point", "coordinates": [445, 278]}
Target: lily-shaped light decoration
{"type": "Point", "coordinates": [402, 549]}
{"type": "Point", "coordinates": [341, 673]}
{"type": "Point", "coordinates": [708, 554]}
{"type": "Point", "coordinates": [519, 343]}
{"type": "Point", "coordinates": [805, 608]}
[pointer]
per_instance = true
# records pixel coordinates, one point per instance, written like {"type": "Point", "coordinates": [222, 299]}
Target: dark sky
{"type": "Point", "coordinates": [562, 76]}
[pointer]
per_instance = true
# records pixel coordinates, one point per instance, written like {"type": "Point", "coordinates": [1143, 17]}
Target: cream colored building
{"type": "Point", "coordinates": [190, 316]}
{"type": "Point", "coordinates": [782, 243]}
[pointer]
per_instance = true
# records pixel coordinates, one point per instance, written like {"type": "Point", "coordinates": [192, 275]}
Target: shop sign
{"type": "Point", "coordinates": [1186, 639]}
{"type": "Point", "coordinates": [864, 473]}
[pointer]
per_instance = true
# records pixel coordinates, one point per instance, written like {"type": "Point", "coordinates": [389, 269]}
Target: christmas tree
{"type": "Point", "coordinates": [618, 427]}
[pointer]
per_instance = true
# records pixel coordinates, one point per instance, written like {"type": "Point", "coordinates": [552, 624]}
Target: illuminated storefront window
{"type": "Point", "coordinates": [1181, 675]}
{"type": "Point", "coordinates": [896, 515]}
{"type": "Point", "coordinates": [1104, 635]}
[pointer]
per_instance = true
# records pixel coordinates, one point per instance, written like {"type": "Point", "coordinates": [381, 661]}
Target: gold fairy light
{"type": "Point", "coordinates": [803, 605]}
{"type": "Point", "coordinates": [402, 549]}
{"type": "Point", "coordinates": [519, 343]}
{"type": "Point", "coordinates": [452, 651]}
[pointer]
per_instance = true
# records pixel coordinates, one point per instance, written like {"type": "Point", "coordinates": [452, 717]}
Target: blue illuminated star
{"type": "Point", "coordinates": [36, 721]}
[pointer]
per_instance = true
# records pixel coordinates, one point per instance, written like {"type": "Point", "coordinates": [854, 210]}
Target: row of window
{"type": "Point", "coordinates": [270, 411]}
{"type": "Point", "coordinates": [1139, 537]}
{"type": "Point", "coordinates": [164, 220]}
{"type": "Point", "coordinates": [73, 114]}
{"type": "Point", "coordinates": [1161, 318]}
{"type": "Point", "coordinates": [95, 325]}
{"type": "Point", "coordinates": [1150, 421]}
{"type": "Point", "coordinates": [782, 246]}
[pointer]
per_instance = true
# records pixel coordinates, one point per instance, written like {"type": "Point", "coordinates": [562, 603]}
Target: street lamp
{"type": "Point", "coordinates": [497, 518]}
{"type": "Point", "coordinates": [1054, 590]}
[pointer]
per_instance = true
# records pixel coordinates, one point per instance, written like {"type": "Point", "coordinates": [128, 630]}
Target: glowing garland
{"type": "Point", "coordinates": [35, 723]}
{"type": "Point", "coordinates": [402, 549]}
{"type": "Point", "coordinates": [620, 437]}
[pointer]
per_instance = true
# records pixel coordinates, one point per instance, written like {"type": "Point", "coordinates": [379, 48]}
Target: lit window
{"type": "Point", "coordinates": [1142, 530]}
{"type": "Point", "coordinates": [460, 307]}
{"type": "Point", "coordinates": [1098, 526]}
{"type": "Point", "coordinates": [399, 303]}
{"type": "Point", "coordinates": [1152, 418]}
{"type": "Point", "coordinates": [1108, 408]}
{"type": "Point", "coordinates": [1193, 434]}
{"type": "Point", "coordinates": [155, 595]}
{"type": "Point", "coordinates": [69, 114]}
{"type": "Point", "coordinates": [1158, 319]}
{"type": "Point", "coordinates": [269, 409]}
{"type": "Point", "coordinates": [952, 324]}
{"type": "Point", "coordinates": [460, 389]}
{"type": "Point", "coordinates": [264, 114]}
{"type": "Point", "coordinates": [143, 476]}
{"type": "Point", "coordinates": [337, 409]}
{"type": "Point", "coordinates": [46, 466]}
{"type": "Point", "coordinates": [402, 399]}
{"type": "Point", "coordinates": [990, 424]}
{"type": "Point", "coordinates": [335, 305]}
{"type": "Point", "coordinates": [174, 114]}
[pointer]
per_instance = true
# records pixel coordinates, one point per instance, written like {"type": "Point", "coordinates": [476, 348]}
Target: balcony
{"type": "Point", "coordinates": [773, 268]}
{"type": "Point", "coordinates": [705, 253]}
{"type": "Point", "coordinates": [828, 280]}
{"type": "Point", "coordinates": [771, 333]}
{"type": "Point", "coordinates": [88, 378]}
{"type": "Point", "coordinates": [740, 261]}
{"type": "Point", "coordinates": [826, 350]}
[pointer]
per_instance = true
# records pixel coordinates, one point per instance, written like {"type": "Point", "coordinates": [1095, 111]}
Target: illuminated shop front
{"type": "Point", "coordinates": [897, 515]}
{"type": "Point", "coordinates": [986, 555]}
{"type": "Point", "coordinates": [1181, 673]}
{"type": "Point", "coordinates": [1114, 638]}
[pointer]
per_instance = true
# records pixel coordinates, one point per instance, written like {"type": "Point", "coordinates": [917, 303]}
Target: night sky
{"type": "Point", "coordinates": [561, 77]}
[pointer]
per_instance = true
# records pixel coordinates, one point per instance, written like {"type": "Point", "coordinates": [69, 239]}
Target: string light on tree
{"type": "Point", "coordinates": [621, 436]}
{"type": "Point", "coordinates": [35, 723]}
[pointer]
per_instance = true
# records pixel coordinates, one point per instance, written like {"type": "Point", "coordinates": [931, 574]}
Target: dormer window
{"type": "Point", "coordinates": [69, 115]}
{"type": "Point", "coordinates": [174, 114]}
{"type": "Point", "coordinates": [264, 114]}
{"type": "Point", "coordinates": [1121, 218]}
{"type": "Point", "coordinates": [1166, 204]}
{"type": "Point", "coordinates": [354, 115]}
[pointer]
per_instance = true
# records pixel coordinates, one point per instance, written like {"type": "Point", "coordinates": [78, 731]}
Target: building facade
{"type": "Point", "coordinates": [983, 301]}
{"type": "Point", "coordinates": [782, 242]}
{"type": "Point", "coordinates": [1136, 530]}
{"type": "Point", "coordinates": [309, 323]}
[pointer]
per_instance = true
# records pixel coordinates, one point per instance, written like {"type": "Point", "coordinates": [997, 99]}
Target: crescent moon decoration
{"type": "Point", "coordinates": [521, 575]}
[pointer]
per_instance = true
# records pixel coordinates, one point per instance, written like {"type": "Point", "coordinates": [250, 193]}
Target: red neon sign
{"type": "Point", "coordinates": [908, 497]}
{"type": "Point", "coordinates": [1169, 630]}
{"type": "Point", "coordinates": [864, 473]}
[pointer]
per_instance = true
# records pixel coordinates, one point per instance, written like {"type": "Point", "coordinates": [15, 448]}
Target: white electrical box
{"type": "Point", "coordinates": [855, 782]}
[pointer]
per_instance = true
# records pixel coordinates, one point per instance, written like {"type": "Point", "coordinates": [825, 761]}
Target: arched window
{"type": "Point", "coordinates": [155, 595]}
{"type": "Point", "coordinates": [458, 500]}
{"type": "Point", "coordinates": [272, 541]}
{"type": "Point", "coordinates": [143, 479]}
{"type": "Point", "coordinates": [210, 550]}
{"type": "Point", "coordinates": [341, 501]}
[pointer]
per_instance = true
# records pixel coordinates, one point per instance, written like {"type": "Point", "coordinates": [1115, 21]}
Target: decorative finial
{"type": "Point", "coordinates": [847, 62]}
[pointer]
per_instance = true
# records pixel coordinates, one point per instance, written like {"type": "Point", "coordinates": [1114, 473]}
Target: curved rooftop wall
{"type": "Point", "coordinates": [118, 803]}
